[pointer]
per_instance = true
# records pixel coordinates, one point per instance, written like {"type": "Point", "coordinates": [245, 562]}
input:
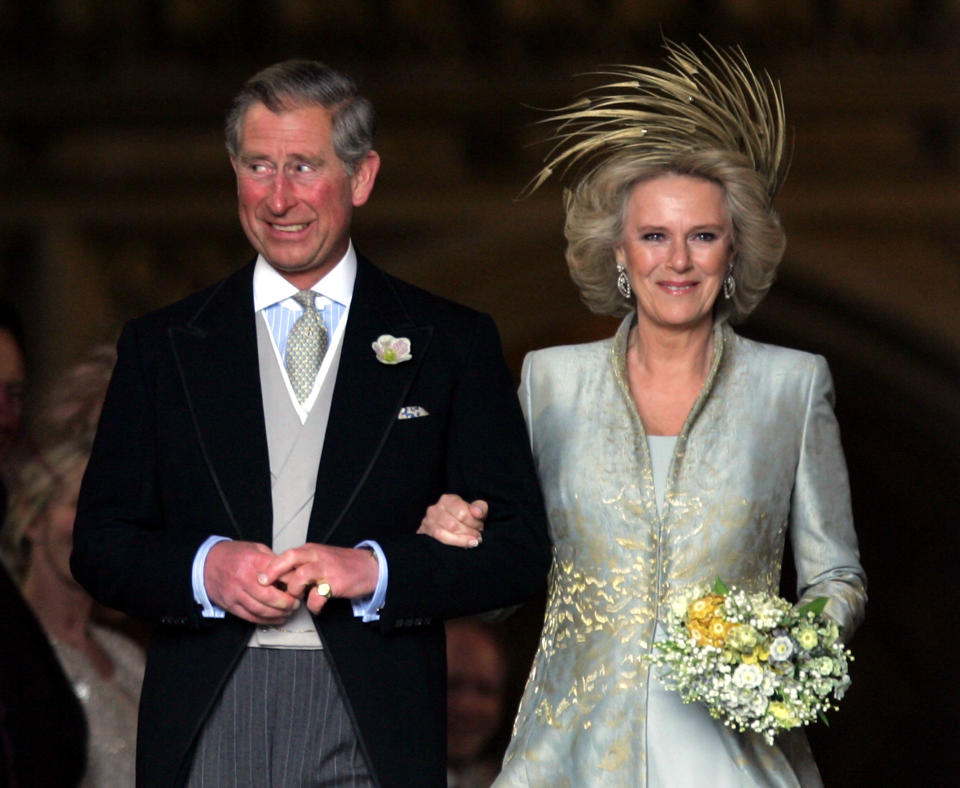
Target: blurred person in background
{"type": "Point", "coordinates": [35, 699]}
{"type": "Point", "coordinates": [11, 389]}
{"type": "Point", "coordinates": [32, 683]}
{"type": "Point", "coordinates": [104, 666]}
{"type": "Point", "coordinates": [477, 672]}
{"type": "Point", "coordinates": [71, 408]}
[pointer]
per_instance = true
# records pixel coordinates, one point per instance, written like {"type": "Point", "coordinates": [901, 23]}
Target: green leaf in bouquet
{"type": "Point", "coordinates": [816, 607]}
{"type": "Point", "coordinates": [719, 587]}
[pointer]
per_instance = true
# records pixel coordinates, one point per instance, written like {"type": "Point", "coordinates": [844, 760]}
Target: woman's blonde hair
{"type": "Point", "coordinates": [61, 437]}
{"type": "Point", "coordinates": [38, 479]}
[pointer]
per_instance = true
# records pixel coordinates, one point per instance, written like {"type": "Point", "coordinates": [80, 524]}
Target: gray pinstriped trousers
{"type": "Point", "coordinates": [280, 723]}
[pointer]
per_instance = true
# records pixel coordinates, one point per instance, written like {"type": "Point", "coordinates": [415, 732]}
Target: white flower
{"type": "Point", "coordinates": [781, 649]}
{"type": "Point", "coordinates": [391, 350]}
{"type": "Point", "coordinates": [822, 687]}
{"type": "Point", "coordinates": [758, 705]}
{"type": "Point", "coordinates": [748, 676]}
{"type": "Point", "coordinates": [823, 666]}
{"type": "Point", "coordinates": [679, 605]}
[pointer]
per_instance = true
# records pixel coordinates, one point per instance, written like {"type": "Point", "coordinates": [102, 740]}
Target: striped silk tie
{"type": "Point", "coordinates": [306, 346]}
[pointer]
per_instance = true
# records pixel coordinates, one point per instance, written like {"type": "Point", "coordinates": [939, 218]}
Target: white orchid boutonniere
{"type": "Point", "coordinates": [392, 350]}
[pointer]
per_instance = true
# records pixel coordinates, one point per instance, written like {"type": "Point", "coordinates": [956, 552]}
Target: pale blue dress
{"type": "Point", "coordinates": [757, 461]}
{"type": "Point", "coordinates": [671, 721]}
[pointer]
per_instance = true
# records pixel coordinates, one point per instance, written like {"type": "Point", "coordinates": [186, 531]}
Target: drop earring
{"type": "Point", "coordinates": [623, 282]}
{"type": "Point", "coordinates": [729, 284]}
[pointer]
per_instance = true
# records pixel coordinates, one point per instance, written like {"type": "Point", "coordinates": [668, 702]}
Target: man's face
{"type": "Point", "coordinates": [296, 199]}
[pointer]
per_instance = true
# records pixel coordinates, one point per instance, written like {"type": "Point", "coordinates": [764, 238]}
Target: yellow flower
{"type": "Point", "coordinates": [782, 714]}
{"type": "Point", "coordinates": [807, 638]}
{"type": "Point", "coordinates": [743, 637]}
{"type": "Point", "coordinates": [718, 629]}
{"type": "Point", "coordinates": [711, 631]}
{"type": "Point", "coordinates": [698, 632]}
{"type": "Point", "coordinates": [705, 607]}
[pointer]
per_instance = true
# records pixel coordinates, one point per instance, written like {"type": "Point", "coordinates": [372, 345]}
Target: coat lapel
{"type": "Point", "coordinates": [216, 353]}
{"type": "Point", "coordinates": [367, 397]}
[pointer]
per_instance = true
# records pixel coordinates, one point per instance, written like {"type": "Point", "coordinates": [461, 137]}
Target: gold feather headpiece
{"type": "Point", "coordinates": [713, 102]}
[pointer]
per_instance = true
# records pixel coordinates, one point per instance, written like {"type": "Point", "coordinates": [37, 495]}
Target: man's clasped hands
{"type": "Point", "coordinates": [250, 581]}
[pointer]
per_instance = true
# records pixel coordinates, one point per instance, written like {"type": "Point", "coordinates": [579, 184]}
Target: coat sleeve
{"type": "Point", "coordinates": [487, 457]}
{"type": "Point", "coordinates": [821, 520]}
{"type": "Point", "coordinates": [124, 554]}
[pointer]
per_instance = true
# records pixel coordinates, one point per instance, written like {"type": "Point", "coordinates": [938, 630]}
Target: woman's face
{"type": "Point", "coordinates": [51, 534]}
{"type": "Point", "coordinates": [676, 248]}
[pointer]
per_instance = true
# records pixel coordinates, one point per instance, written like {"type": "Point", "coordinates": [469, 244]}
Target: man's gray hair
{"type": "Point", "coordinates": [303, 83]}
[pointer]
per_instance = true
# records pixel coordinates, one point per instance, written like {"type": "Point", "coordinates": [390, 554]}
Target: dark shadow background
{"type": "Point", "coordinates": [116, 197]}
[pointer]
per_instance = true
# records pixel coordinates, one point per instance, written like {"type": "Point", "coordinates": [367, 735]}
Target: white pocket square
{"type": "Point", "coordinates": [412, 412]}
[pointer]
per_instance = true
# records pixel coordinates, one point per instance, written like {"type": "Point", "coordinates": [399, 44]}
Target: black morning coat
{"type": "Point", "coordinates": [181, 453]}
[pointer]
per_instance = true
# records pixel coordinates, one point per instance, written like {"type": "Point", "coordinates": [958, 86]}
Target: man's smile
{"type": "Point", "coordinates": [288, 228]}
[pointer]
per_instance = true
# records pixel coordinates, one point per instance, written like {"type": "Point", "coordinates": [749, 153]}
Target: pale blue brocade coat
{"type": "Point", "coordinates": [758, 457]}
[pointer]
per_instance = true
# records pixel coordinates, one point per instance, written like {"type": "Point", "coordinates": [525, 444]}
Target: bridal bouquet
{"type": "Point", "coordinates": [756, 662]}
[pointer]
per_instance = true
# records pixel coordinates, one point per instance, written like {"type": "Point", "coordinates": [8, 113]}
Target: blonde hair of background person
{"type": "Point", "coordinates": [60, 434]}
{"type": "Point", "coordinates": [38, 480]}
{"type": "Point", "coordinates": [71, 408]}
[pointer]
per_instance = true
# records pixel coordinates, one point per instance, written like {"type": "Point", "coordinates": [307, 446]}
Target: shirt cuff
{"type": "Point", "coordinates": [368, 607]}
{"type": "Point", "coordinates": [207, 608]}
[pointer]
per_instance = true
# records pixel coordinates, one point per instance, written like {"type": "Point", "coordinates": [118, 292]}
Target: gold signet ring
{"type": "Point", "coordinates": [324, 590]}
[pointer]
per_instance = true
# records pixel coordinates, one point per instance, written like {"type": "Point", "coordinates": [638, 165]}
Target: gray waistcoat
{"type": "Point", "coordinates": [294, 450]}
